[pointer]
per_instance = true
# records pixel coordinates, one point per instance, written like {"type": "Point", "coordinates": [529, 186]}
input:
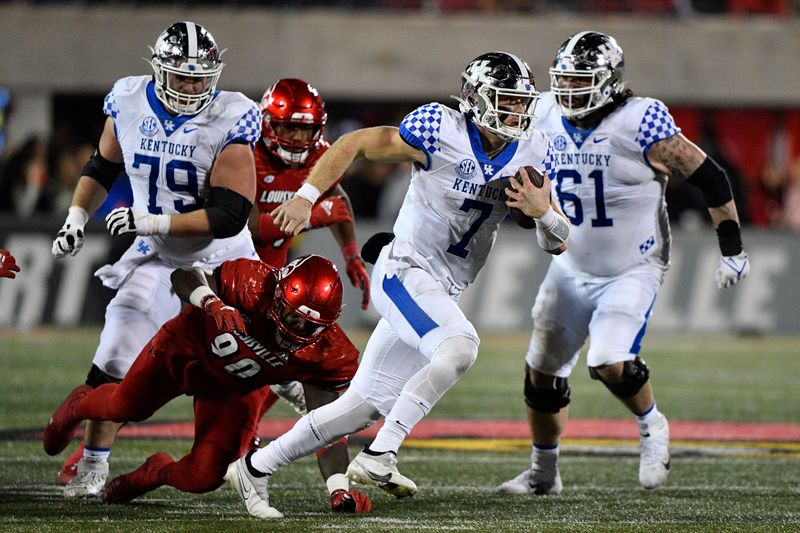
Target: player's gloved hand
{"type": "Point", "coordinates": [226, 317]}
{"type": "Point", "coordinates": [328, 212]}
{"type": "Point", "coordinates": [350, 501]}
{"type": "Point", "coordinates": [732, 269]}
{"type": "Point", "coordinates": [127, 220]}
{"type": "Point", "coordinates": [8, 265]}
{"type": "Point", "coordinates": [69, 239]}
{"type": "Point", "coordinates": [357, 271]}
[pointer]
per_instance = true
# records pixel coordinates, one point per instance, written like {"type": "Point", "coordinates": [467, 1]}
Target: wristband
{"type": "Point", "coordinates": [548, 218]}
{"type": "Point", "coordinates": [350, 250]}
{"type": "Point", "coordinates": [199, 294]}
{"type": "Point", "coordinates": [730, 238]}
{"type": "Point", "coordinates": [308, 192]}
{"type": "Point", "coordinates": [337, 482]}
{"type": "Point", "coordinates": [158, 224]}
{"type": "Point", "coordinates": [77, 215]}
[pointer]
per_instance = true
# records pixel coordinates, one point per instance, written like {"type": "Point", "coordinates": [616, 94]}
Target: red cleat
{"type": "Point", "coordinates": [128, 486]}
{"type": "Point", "coordinates": [70, 466]}
{"type": "Point", "coordinates": [62, 425]}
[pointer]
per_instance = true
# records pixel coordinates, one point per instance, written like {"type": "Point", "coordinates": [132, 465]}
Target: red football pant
{"type": "Point", "coordinates": [223, 424]}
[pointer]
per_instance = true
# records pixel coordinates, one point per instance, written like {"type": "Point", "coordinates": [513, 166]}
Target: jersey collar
{"type": "Point", "coordinates": [489, 166]}
{"type": "Point", "coordinates": [577, 135]}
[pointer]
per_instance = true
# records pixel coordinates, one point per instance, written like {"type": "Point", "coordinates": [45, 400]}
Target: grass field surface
{"type": "Point", "coordinates": [714, 486]}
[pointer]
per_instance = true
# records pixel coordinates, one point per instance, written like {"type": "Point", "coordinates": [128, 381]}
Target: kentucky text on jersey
{"type": "Point", "coordinates": [275, 197]}
{"type": "Point", "coordinates": [167, 147]}
{"type": "Point", "coordinates": [598, 160]}
{"type": "Point", "coordinates": [482, 191]}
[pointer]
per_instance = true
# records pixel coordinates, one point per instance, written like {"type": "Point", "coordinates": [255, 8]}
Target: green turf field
{"type": "Point", "coordinates": [748, 380]}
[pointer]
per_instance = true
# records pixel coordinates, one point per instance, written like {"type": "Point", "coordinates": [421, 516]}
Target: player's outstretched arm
{"type": "Point", "coordinates": [96, 180]}
{"type": "Point", "coordinates": [333, 461]}
{"type": "Point", "coordinates": [382, 143]}
{"type": "Point", "coordinates": [677, 156]}
{"type": "Point", "coordinates": [197, 287]}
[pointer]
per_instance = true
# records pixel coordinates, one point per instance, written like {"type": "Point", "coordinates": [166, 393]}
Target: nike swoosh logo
{"type": "Point", "coordinates": [188, 130]}
{"type": "Point", "coordinates": [245, 489]}
{"type": "Point", "coordinates": [384, 479]}
{"type": "Point", "coordinates": [645, 435]}
{"type": "Point", "coordinates": [596, 140]}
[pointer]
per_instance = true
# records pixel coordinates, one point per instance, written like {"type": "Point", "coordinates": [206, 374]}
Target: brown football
{"type": "Point", "coordinates": [535, 177]}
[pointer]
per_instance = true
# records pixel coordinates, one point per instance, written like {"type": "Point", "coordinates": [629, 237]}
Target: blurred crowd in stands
{"type": "Point", "coordinates": [760, 149]}
{"type": "Point", "coordinates": [676, 8]}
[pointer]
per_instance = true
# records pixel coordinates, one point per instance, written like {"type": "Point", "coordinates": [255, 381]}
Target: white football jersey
{"type": "Point", "coordinates": [604, 184]}
{"type": "Point", "coordinates": [169, 157]}
{"type": "Point", "coordinates": [456, 201]}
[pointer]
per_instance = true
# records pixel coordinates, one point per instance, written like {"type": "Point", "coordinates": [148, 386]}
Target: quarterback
{"type": "Point", "coordinates": [458, 196]}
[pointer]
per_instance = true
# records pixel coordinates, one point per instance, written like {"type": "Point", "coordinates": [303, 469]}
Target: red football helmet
{"type": "Point", "coordinates": [308, 300]}
{"type": "Point", "coordinates": [293, 119]}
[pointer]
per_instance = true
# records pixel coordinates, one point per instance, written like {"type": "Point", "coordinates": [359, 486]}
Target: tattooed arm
{"type": "Point", "coordinates": [677, 156]}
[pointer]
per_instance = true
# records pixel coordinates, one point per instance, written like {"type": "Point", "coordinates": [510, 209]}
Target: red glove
{"type": "Point", "coordinates": [350, 501]}
{"type": "Point", "coordinates": [357, 271]}
{"type": "Point", "coordinates": [329, 211]}
{"type": "Point", "coordinates": [226, 317]}
{"type": "Point", "coordinates": [8, 265]}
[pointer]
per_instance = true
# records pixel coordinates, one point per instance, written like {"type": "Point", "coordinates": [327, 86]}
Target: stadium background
{"type": "Point", "coordinates": [724, 68]}
{"type": "Point", "coordinates": [725, 363]}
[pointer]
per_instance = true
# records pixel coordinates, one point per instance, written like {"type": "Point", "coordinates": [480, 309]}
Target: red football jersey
{"type": "Point", "coordinates": [203, 359]}
{"type": "Point", "coordinates": [276, 182]}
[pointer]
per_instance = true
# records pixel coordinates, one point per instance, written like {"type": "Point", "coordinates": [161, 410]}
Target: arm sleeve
{"type": "Point", "coordinates": [656, 125]}
{"type": "Point", "coordinates": [247, 129]}
{"type": "Point", "coordinates": [421, 129]}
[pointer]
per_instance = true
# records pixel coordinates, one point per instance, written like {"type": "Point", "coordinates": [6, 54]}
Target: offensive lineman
{"type": "Point", "coordinates": [611, 154]}
{"type": "Point", "coordinates": [187, 148]}
{"type": "Point", "coordinates": [446, 228]}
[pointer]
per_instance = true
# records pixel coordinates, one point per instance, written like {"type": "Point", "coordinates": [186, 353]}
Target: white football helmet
{"type": "Point", "coordinates": [586, 73]}
{"type": "Point", "coordinates": [185, 50]}
{"type": "Point", "coordinates": [488, 81]}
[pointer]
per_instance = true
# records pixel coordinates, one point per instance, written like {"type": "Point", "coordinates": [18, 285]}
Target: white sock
{"type": "Point", "coordinates": [407, 411]}
{"type": "Point", "coordinates": [652, 415]}
{"type": "Point", "coordinates": [544, 455]}
{"type": "Point", "coordinates": [96, 454]}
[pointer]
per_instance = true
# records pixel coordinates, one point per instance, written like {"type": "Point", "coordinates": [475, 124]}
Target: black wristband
{"type": "Point", "coordinates": [730, 238]}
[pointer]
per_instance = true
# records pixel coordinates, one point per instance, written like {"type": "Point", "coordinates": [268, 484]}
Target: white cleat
{"type": "Point", "coordinates": [533, 481]}
{"type": "Point", "coordinates": [654, 455]}
{"type": "Point", "coordinates": [90, 479]}
{"type": "Point", "coordinates": [381, 471]}
{"type": "Point", "coordinates": [253, 490]}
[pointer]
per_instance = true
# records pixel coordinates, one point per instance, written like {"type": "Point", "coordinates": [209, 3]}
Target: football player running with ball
{"type": "Point", "coordinates": [187, 149]}
{"type": "Point", "coordinates": [249, 326]}
{"type": "Point", "coordinates": [446, 228]}
{"type": "Point", "coordinates": [611, 156]}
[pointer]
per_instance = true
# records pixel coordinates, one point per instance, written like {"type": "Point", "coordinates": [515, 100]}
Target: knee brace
{"type": "Point", "coordinates": [634, 375]}
{"type": "Point", "coordinates": [547, 400]}
{"type": "Point", "coordinates": [97, 377]}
